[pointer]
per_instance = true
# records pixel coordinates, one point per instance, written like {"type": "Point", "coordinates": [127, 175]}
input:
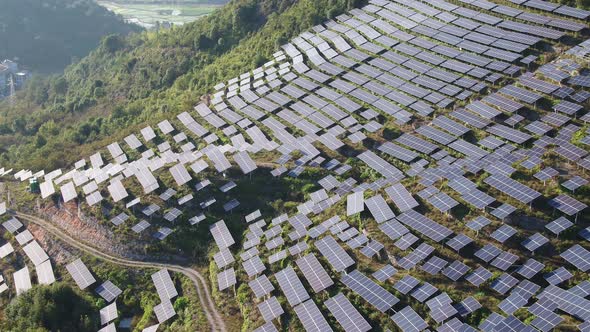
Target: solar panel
{"type": "Point", "coordinates": [108, 313]}
{"type": "Point", "coordinates": [406, 284]}
{"type": "Point", "coordinates": [467, 306]}
{"type": "Point", "coordinates": [409, 321]}
{"type": "Point", "coordinates": [504, 260]}
{"type": "Point", "coordinates": [291, 286]}
{"type": "Point", "coordinates": [567, 301]}
{"type": "Point", "coordinates": [253, 266]}
{"type": "Point", "coordinates": [270, 309]}
{"type": "Point", "coordinates": [503, 211]}
{"type": "Point", "coordinates": [424, 225]}
{"type": "Point", "coordinates": [419, 254]}
{"type": "Point", "coordinates": [503, 233]}
{"type": "Point", "coordinates": [440, 313]}
{"type": "Point", "coordinates": [150, 210]}
{"type": "Point", "coordinates": [261, 286]}
{"type": "Point", "coordinates": [68, 192]}
{"type": "Point", "coordinates": [512, 188]}
{"type": "Point", "coordinates": [6, 250]}
{"type": "Point", "coordinates": [384, 273]}
{"type": "Point", "coordinates": [398, 152]}
{"type": "Point", "coordinates": [346, 314]}
{"type": "Point", "coordinates": [148, 133]}
{"type": "Point", "coordinates": [559, 225]}
{"type": "Point", "coordinates": [504, 283]}
{"type": "Point", "coordinates": [442, 202]}
{"type": "Point", "coordinates": [333, 252]}
{"type": "Point", "coordinates": [140, 226]}
{"type": "Point", "coordinates": [311, 317]}
{"type": "Point", "coordinates": [490, 322]}
{"type": "Point", "coordinates": [180, 174]}
{"type": "Point", "coordinates": [578, 256]}
{"type": "Point", "coordinates": [567, 204]}
{"type": "Point", "coordinates": [109, 328]}
{"type": "Point", "coordinates": [117, 191]}
{"type": "Point", "coordinates": [35, 253]}
{"type": "Point", "coordinates": [575, 183]}
{"type": "Point", "coordinates": [221, 234]}
{"type": "Point", "coordinates": [530, 268]}
{"type": "Point", "coordinates": [369, 290]}
{"type": "Point", "coordinates": [45, 273]}
{"type": "Point", "coordinates": [22, 280]}
{"type": "Point", "coordinates": [315, 274]}
{"type": "Point", "coordinates": [268, 327]}
{"type": "Point", "coordinates": [164, 285]}
{"type": "Point", "coordinates": [223, 258]}
{"type": "Point", "coordinates": [546, 321]}
{"type": "Point", "coordinates": [133, 142]}
{"type": "Point", "coordinates": [108, 291]}
{"type": "Point", "coordinates": [379, 209]}
{"type": "Point", "coordinates": [94, 198]}
{"type": "Point", "coordinates": [380, 165]}
{"type": "Point", "coordinates": [479, 276]}
{"type": "Point", "coordinates": [80, 274]}
{"type": "Point", "coordinates": [24, 237]}
{"type": "Point", "coordinates": [535, 241]}
{"type": "Point", "coordinates": [393, 229]}
{"type": "Point", "coordinates": [298, 248]}
{"type": "Point", "coordinates": [47, 189]}
{"type": "Point", "coordinates": [455, 270]}
{"type": "Point", "coordinates": [478, 223]}
{"type": "Point", "coordinates": [512, 303]}
{"type": "Point", "coordinates": [164, 311]}
{"type": "Point", "coordinates": [355, 203]}
{"type": "Point", "coordinates": [406, 241]}
{"type": "Point", "coordinates": [581, 289]}
{"type": "Point", "coordinates": [226, 278]}
{"type": "Point", "coordinates": [434, 265]}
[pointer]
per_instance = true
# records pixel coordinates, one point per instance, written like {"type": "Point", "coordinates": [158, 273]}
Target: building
{"type": "Point", "coordinates": [11, 65]}
{"type": "Point", "coordinates": [4, 76]}
{"type": "Point", "coordinates": [9, 71]}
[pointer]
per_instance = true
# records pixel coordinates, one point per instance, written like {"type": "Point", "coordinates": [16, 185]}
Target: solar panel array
{"type": "Point", "coordinates": [336, 86]}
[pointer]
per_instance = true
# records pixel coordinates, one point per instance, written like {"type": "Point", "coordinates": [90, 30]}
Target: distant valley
{"type": "Point", "coordinates": [150, 14]}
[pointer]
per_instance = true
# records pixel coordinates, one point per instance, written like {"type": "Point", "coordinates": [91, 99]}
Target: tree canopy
{"type": "Point", "coordinates": [51, 308]}
{"type": "Point", "coordinates": [147, 76]}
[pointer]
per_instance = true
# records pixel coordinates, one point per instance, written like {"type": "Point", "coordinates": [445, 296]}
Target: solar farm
{"type": "Point", "coordinates": [448, 142]}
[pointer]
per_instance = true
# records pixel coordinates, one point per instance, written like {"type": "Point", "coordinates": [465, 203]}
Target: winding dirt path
{"type": "Point", "coordinates": [213, 316]}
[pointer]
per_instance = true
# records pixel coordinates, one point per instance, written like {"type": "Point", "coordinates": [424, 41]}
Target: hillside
{"type": "Point", "coordinates": [127, 81]}
{"type": "Point", "coordinates": [46, 36]}
{"type": "Point", "coordinates": [406, 165]}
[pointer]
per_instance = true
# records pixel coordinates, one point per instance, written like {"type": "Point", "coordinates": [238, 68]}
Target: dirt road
{"type": "Point", "coordinates": [213, 316]}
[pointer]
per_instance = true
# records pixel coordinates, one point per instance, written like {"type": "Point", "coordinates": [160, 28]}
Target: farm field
{"type": "Point", "coordinates": [148, 14]}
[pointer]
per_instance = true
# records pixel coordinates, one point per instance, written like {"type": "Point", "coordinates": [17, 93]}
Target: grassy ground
{"type": "Point", "coordinates": [148, 14]}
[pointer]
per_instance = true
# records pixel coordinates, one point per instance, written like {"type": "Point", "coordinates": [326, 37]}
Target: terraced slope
{"type": "Point", "coordinates": [449, 144]}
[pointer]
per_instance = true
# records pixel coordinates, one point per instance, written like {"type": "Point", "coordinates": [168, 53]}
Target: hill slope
{"type": "Point", "coordinates": [128, 81]}
{"type": "Point", "coordinates": [47, 35]}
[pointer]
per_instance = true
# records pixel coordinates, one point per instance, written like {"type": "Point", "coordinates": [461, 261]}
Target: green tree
{"type": "Point", "coordinates": [60, 86]}
{"type": "Point", "coordinates": [113, 43]}
{"type": "Point", "coordinates": [51, 308]}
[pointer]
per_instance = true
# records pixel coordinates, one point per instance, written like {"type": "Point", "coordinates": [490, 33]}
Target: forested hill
{"type": "Point", "coordinates": [46, 35]}
{"type": "Point", "coordinates": [147, 76]}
